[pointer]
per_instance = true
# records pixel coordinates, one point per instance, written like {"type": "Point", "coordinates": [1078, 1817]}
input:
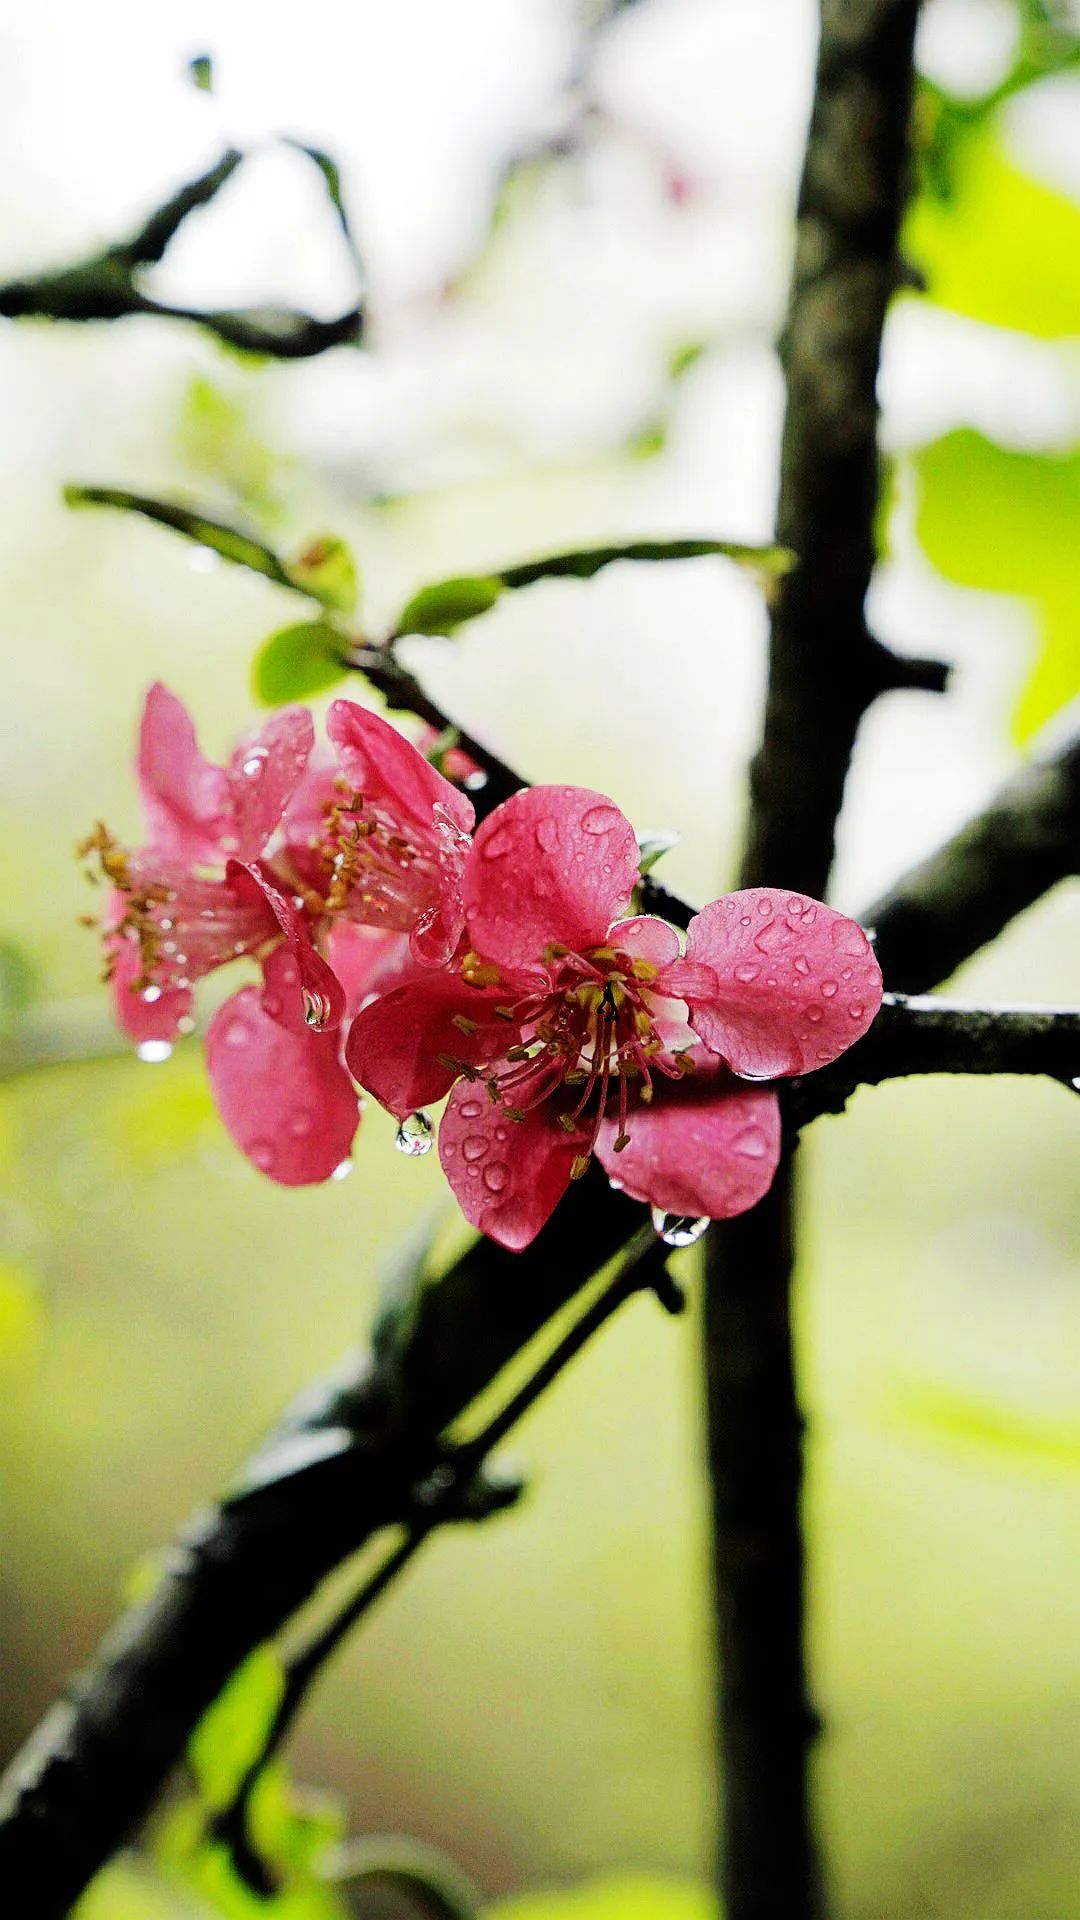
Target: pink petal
{"type": "Point", "coordinates": [159, 1017]}
{"type": "Point", "coordinates": [284, 1097]}
{"type": "Point", "coordinates": [394, 1044]}
{"type": "Point", "coordinates": [795, 982]}
{"type": "Point", "coordinates": [508, 1176]}
{"type": "Point", "coordinates": [390, 773]}
{"type": "Point", "coordinates": [551, 865]}
{"type": "Point", "coordinates": [185, 798]}
{"type": "Point", "coordinates": [368, 962]}
{"type": "Point", "coordinates": [265, 773]}
{"type": "Point", "coordinates": [646, 938]}
{"type": "Point", "coordinates": [321, 996]}
{"type": "Point", "coordinates": [706, 1146]}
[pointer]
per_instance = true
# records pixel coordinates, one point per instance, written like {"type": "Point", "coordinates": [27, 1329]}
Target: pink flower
{"type": "Point", "coordinates": [567, 1030]}
{"type": "Point", "coordinates": [269, 858]}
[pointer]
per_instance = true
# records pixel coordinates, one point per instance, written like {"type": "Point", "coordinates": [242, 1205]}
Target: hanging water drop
{"type": "Point", "coordinates": [316, 1008]}
{"type": "Point", "coordinates": [678, 1229]}
{"type": "Point", "coordinates": [150, 994]}
{"type": "Point", "coordinates": [153, 1051]}
{"type": "Point", "coordinates": [415, 1135]}
{"type": "Point", "coordinates": [342, 1170]}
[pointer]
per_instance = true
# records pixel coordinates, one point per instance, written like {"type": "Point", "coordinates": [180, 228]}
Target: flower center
{"type": "Point", "coordinates": [373, 871]}
{"type": "Point", "coordinates": [182, 924]}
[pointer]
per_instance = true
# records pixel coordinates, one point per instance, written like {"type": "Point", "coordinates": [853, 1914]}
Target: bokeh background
{"type": "Point", "coordinates": [577, 232]}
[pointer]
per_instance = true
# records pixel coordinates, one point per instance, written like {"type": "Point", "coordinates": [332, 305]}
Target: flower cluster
{"type": "Point", "coordinates": [504, 969]}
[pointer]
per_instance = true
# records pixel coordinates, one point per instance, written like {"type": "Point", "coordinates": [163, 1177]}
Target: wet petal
{"type": "Point", "coordinates": [368, 962]}
{"type": "Point", "coordinates": [706, 1146]}
{"type": "Point", "coordinates": [390, 773]}
{"type": "Point", "coordinates": [646, 938]}
{"type": "Point", "coordinates": [795, 982]}
{"type": "Point", "coordinates": [551, 865]}
{"type": "Point", "coordinates": [321, 996]}
{"type": "Point", "coordinates": [150, 1013]}
{"type": "Point", "coordinates": [508, 1176]}
{"type": "Point", "coordinates": [185, 798]}
{"type": "Point", "coordinates": [407, 1045]}
{"type": "Point", "coordinates": [284, 1097]}
{"type": "Point", "coordinates": [265, 773]}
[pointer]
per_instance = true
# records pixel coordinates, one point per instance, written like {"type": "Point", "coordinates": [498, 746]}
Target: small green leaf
{"type": "Point", "coordinates": [652, 847]}
{"type": "Point", "coordinates": [20, 983]}
{"type": "Point", "coordinates": [685, 356]}
{"type": "Point", "coordinates": [442, 608]}
{"type": "Point", "coordinates": [297, 662]}
{"type": "Point", "coordinates": [327, 570]}
{"type": "Point", "coordinates": [232, 1732]}
{"type": "Point", "coordinates": [583, 562]}
{"type": "Point", "coordinates": [201, 72]}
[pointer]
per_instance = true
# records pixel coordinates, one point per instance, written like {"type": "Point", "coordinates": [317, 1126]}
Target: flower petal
{"type": "Point", "coordinates": [706, 1146]}
{"type": "Point", "coordinates": [321, 995]}
{"type": "Point", "coordinates": [395, 1043]}
{"type": "Point", "coordinates": [508, 1176]}
{"type": "Point", "coordinates": [552, 864]}
{"type": "Point", "coordinates": [185, 798]}
{"type": "Point", "coordinates": [284, 1097]}
{"type": "Point", "coordinates": [367, 961]}
{"type": "Point", "coordinates": [265, 773]}
{"type": "Point", "coordinates": [156, 1018]}
{"type": "Point", "coordinates": [390, 773]}
{"type": "Point", "coordinates": [796, 983]}
{"type": "Point", "coordinates": [646, 938]}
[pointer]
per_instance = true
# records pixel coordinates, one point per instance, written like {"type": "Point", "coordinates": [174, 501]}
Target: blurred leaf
{"type": "Point", "coordinates": [583, 562]}
{"type": "Point", "coordinates": [129, 1888]}
{"type": "Point", "coordinates": [1009, 522]}
{"type": "Point", "coordinates": [653, 846]}
{"type": "Point", "coordinates": [232, 1732]}
{"type": "Point", "coordinates": [327, 569]}
{"type": "Point", "coordinates": [20, 983]}
{"type": "Point", "coordinates": [214, 437]}
{"type": "Point", "coordinates": [615, 1899]}
{"type": "Point", "coordinates": [685, 356]}
{"type": "Point", "coordinates": [241, 549]}
{"type": "Point", "coordinates": [20, 1311]}
{"type": "Point", "coordinates": [201, 72]}
{"type": "Point", "coordinates": [999, 246]}
{"type": "Point", "coordinates": [297, 662]}
{"type": "Point", "coordinates": [442, 608]}
{"type": "Point", "coordinates": [648, 441]}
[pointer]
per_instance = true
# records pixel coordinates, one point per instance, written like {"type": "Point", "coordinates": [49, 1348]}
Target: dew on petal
{"type": "Point", "coordinates": [547, 835]}
{"type": "Point", "coordinates": [342, 1170]}
{"type": "Point", "coordinates": [471, 1109]}
{"type": "Point", "coordinates": [678, 1229]}
{"type": "Point", "coordinates": [802, 964]}
{"type": "Point", "coordinates": [252, 767]}
{"type": "Point", "coordinates": [498, 845]}
{"type": "Point", "coordinates": [301, 1123]}
{"type": "Point", "coordinates": [474, 1146]}
{"type": "Point", "coordinates": [272, 1005]}
{"type": "Point", "coordinates": [185, 1024]}
{"type": "Point", "coordinates": [415, 1135]}
{"type": "Point", "coordinates": [237, 1033]}
{"type": "Point", "coordinates": [828, 988]}
{"type": "Point", "coordinates": [814, 1014]}
{"type": "Point", "coordinates": [856, 1011]}
{"type": "Point", "coordinates": [747, 972]}
{"type": "Point", "coordinates": [263, 1154]}
{"type": "Point", "coordinates": [496, 1175]}
{"type": "Point", "coordinates": [600, 819]}
{"type": "Point", "coordinates": [150, 994]}
{"type": "Point", "coordinates": [846, 973]}
{"type": "Point", "coordinates": [752, 1142]}
{"type": "Point", "coordinates": [153, 1051]}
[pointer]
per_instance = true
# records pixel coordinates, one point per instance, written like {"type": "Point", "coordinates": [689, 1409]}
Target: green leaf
{"type": "Point", "coordinates": [999, 246]}
{"type": "Point", "coordinates": [232, 1732]}
{"type": "Point", "coordinates": [1009, 522]}
{"type": "Point", "coordinates": [327, 570]}
{"type": "Point", "coordinates": [581, 563]}
{"type": "Point", "coordinates": [297, 662]}
{"type": "Point", "coordinates": [442, 608]}
{"type": "Point", "coordinates": [632, 1898]}
{"type": "Point", "coordinates": [653, 846]}
{"type": "Point", "coordinates": [201, 72]}
{"type": "Point", "coordinates": [20, 983]}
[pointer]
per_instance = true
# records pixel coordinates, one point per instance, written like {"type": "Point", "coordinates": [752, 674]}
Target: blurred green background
{"type": "Point", "coordinates": [567, 347]}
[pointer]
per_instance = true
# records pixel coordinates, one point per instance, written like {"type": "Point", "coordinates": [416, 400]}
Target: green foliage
{"type": "Point", "coordinates": [20, 983]}
{"type": "Point", "coordinates": [653, 846]}
{"type": "Point", "coordinates": [215, 437]}
{"type": "Point", "coordinates": [326, 568]}
{"type": "Point", "coordinates": [444, 607]}
{"type": "Point", "coordinates": [232, 1732]}
{"type": "Point", "coordinates": [230, 543]}
{"type": "Point", "coordinates": [1009, 522]}
{"type": "Point", "coordinates": [297, 662]}
{"type": "Point", "coordinates": [617, 1899]}
{"type": "Point", "coordinates": [997, 245]}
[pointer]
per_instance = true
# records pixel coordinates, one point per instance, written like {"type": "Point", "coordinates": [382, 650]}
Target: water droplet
{"type": "Point", "coordinates": [415, 1135]}
{"type": "Point", "coordinates": [496, 1175]}
{"type": "Point", "coordinates": [1075, 1083]}
{"type": "Point", "coordinates": [747, 972]}
{"type": "Point", "coordinates": [752, 1142]}
{"type": "Point", "coordinates": [263, 1155]}
{"type": "Point", "coordinates": [828, 988]}
{"type": "Point", "coordinates": [547, 835]}
{"type": "Point", "coordinates": [814, 1014]}
{"type": "Point", "coordinates": [237, 1033]}
{"type": "Point", "coordinates": [600, 819]}
{"type": "Point", "coordinates": [185, 1024]}
{"type": "Point", "coordinates": [316, 1008]}
{"type": "Point", "coordinates": [846, 973]}
{"type": "Point", "coordinates": [498, 844]}
{"type": "Point", "coordinates": [848, 938]}
{"type": "Point", "coordinates": [677, 1229]}
{"type": "Point", "coordinates": [474, 1146]}
{"type": "Point", "coordinates": [615, 1185]}
{"type": "Point", "coordinates": [802, 964]}
{"type": "Point", "coordinates": [764, 906]}
{"type": "Point", "coordinates": [471, 1109]}
{"type": "Point", "coordinates": [252, 767]}
{"type": "Point", "coordinates": [271, 1005]}
{"type": "Point", "coordinates": [342, 1170]}
{"type": "Point", "coordinates": [745, 918]}
{"type": "Point", "coordinates": [153, 1051]}
{"type": "Point", "coordinates": [202, 559]}
{"type": "Point", "coordinates": [150, 994]}
{"type": "Point", "coordinates": [168, 946]}
{"type": "Point", "coordinates": [301, 1123]}
{"type": "Point", "coordinates": [856, 1011]}
{"type": "Point", "coordinates": [473, 782]}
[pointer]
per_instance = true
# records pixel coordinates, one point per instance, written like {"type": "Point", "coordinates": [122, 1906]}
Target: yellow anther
{"type": "Point", "coordinates": [646, 1093]}
{"type": "Point", "coordinates": [645, 970]}
{"type": "Point", "coordinates": [579, 1165]}
{"type": "Point", "coordinates": [606, 954]}
{"type": "Point", "coordinates": [588, 995]}
{"type": "Point", "coordinates": [566, 1122]}
{"type": "Point", "coordinates": [463, 1024]}
{"type": "Point", "coordinates": [642, 1023]}
{"type": "Point", "coordinates": [479, 973]}
{"type": "Point", "coordinates": [684, 1063]}
{"type": "Point", "coordinates": [622, 1140]}
{"type": "Point", "coordinates": [553, 951]}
